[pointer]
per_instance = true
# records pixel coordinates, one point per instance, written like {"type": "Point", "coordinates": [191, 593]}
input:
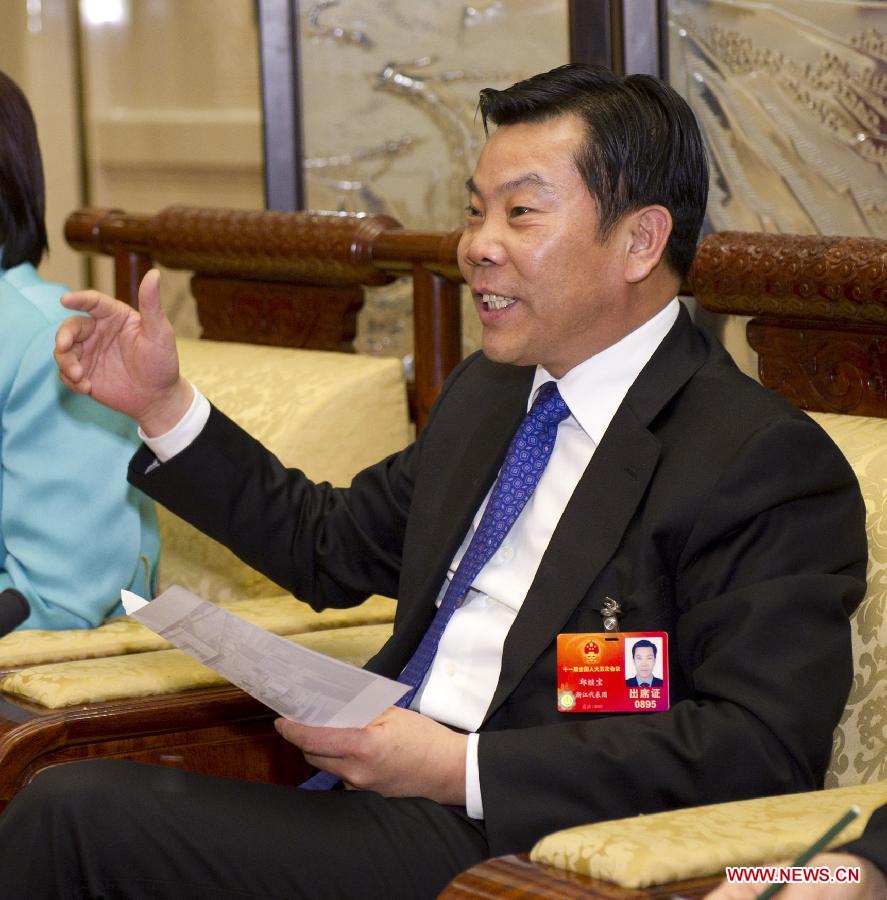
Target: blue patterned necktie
{"type": "Point", "coordinates": [525, 461]}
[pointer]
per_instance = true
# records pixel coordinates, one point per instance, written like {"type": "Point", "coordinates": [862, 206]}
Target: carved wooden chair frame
{"type": "Point", "coordinates": [819, 308]}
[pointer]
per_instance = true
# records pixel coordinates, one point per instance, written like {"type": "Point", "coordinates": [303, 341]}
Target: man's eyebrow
{"type": "Point", "coordinates": [530, 179]}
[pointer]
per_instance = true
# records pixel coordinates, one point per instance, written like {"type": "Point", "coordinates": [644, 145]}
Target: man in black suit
{"type": "Point", "coordinates": [683, 494]}
{"type": "Point", "coordinates": [643, 652]}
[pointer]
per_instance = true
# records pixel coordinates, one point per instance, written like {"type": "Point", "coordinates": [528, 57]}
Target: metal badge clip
{"type": "Point", "coordinates": [611, 612]}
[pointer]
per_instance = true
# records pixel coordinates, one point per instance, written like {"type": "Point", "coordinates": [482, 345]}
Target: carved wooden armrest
{"type": "Point", "coordinates": [820, 312]}
{"type": "Point", "coordinates": [289, 279]}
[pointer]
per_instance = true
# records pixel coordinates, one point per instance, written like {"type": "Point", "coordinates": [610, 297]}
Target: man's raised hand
{"type": "Point", "coordinates": [125, 359]}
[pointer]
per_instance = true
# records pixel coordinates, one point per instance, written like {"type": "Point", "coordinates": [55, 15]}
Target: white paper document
{"type": "Point", "coordinates": [296, 682]}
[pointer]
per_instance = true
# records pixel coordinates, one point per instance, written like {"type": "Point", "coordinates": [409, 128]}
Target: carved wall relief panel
{"type": "Point", "coordinates": [389, 93]}
{"type": "Point", "coordinates": [792, 99]}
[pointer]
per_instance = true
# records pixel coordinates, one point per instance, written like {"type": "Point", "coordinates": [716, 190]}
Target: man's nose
{"type": "Point", "coordinates": [482, 245]}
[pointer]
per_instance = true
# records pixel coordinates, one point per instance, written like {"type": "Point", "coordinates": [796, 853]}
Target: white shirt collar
{"type": "Point", "coordinates": [594, 389]}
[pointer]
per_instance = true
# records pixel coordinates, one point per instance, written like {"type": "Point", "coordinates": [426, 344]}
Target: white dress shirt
{"type": "Point", "coordinates": [463, 676]}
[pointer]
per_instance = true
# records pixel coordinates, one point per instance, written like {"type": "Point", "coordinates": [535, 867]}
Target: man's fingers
{"type": "Point", "coordinates": [83, 386]}
{"type": "Point", "coordinates": [71, 370]}
{"type": "Point", "coordinates": [153, 316]}
{"type": "Point", "coordinates": [69, 350]}
{"type": "Point", "coordinates": [320, 742]}
{"type": "Point", "coordinates": [95, 303]}
{"type": "Point", "coordinates": [72, 332]}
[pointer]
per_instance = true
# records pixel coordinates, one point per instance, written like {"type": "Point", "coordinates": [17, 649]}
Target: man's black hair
{"type": "Point", "coordinates": [641, 644]}
{"type": "Point", "coordinates": [643, 145]}
{"type": "Point", "coordinates": [22, 191]}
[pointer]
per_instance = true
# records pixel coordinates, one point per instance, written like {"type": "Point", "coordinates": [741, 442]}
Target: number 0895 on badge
{"type": "Point", "coordinates": [604, 673]}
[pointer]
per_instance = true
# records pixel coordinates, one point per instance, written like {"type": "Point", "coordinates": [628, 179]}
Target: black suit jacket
{"type": "Point", "coordinates": [711, 510]}
{"type": "Point", "coordinates": [633, 681]}
{"type": "Point", "coordinates": [872, 843]}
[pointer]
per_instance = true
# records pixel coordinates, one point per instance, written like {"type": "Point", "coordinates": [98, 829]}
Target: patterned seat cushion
{"type": "Point", "coordinates": [691, 843]}
{"type": "Point", "coordinates": [281, 614]}
{"type": "Point", "coordinates": [329, 414]}
{"type": "Point", "coordinates": [165, 671]}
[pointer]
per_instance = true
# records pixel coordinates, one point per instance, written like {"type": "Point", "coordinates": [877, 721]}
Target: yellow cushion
{"type": "Point", "coordinates": [859, 751]}
{"type": "Point", "coordinates": [691, 843]}
{"type": "Point", "coordinates": [281, 614]}
{"type": "Point", "coordinates": [329, 414]}
{"type": "Point", "coordinates": [164, 671]}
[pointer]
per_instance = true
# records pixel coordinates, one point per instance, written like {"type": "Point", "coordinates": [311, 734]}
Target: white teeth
{"type": "Point", "coordinates": [497, 301]}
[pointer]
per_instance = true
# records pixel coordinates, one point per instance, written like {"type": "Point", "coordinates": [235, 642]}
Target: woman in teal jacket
{"type": "Point", "coordinates": [72, 531]}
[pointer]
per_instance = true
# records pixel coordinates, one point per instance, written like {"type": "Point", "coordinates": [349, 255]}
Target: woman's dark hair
{"type": "Point", "coordinates": [22, 191]}
{"type": "Point", "coordinates": [643, 144]}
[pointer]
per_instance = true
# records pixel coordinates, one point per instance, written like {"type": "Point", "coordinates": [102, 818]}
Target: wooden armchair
{"type": "Point", "coordinates": [290, 279]}
{"type": "Point", "coordinates": [297, 279]}
{"type": "Point", "coordinates": [820, 329]}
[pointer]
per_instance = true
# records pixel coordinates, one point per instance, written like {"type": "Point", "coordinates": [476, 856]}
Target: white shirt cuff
{"type": "Point", "coordinates": [166, 446]}
{"type": "Point", "coordinates": [474, 805]}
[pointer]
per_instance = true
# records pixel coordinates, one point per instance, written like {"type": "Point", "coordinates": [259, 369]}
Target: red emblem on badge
{"type": "Point", "coordinates": [591, 651]}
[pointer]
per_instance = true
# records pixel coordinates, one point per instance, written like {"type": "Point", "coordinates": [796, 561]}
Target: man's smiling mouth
{"type": "Point", "coordinates": [497, 301]}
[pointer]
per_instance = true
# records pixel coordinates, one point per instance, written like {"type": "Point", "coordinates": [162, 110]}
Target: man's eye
{"type": "Point", "coordinates": [472, 212]}
{"type": "Point", "coordinates": [519, 210]}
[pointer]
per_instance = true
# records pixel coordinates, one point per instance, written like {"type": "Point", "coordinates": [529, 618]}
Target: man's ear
{"type": "Point", "coordinates": [650, 229]}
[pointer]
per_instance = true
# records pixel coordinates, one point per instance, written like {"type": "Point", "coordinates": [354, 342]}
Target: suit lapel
{"type": "Point", "coordinates": [601, 508]}
{"type": "Point", "coordinates": [461, 488]}
{"type": "Point", "coordinates": [587, 536]}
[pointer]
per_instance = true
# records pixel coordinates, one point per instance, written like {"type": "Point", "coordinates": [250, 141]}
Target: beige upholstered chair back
{"type": "Point", "coordinates": [329, 414]}
{"type": "Point", "coordinates": [859, 753]}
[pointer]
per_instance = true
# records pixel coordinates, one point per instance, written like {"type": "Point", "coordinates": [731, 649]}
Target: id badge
{"type": "Point", "coordinates": [605, 673]}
